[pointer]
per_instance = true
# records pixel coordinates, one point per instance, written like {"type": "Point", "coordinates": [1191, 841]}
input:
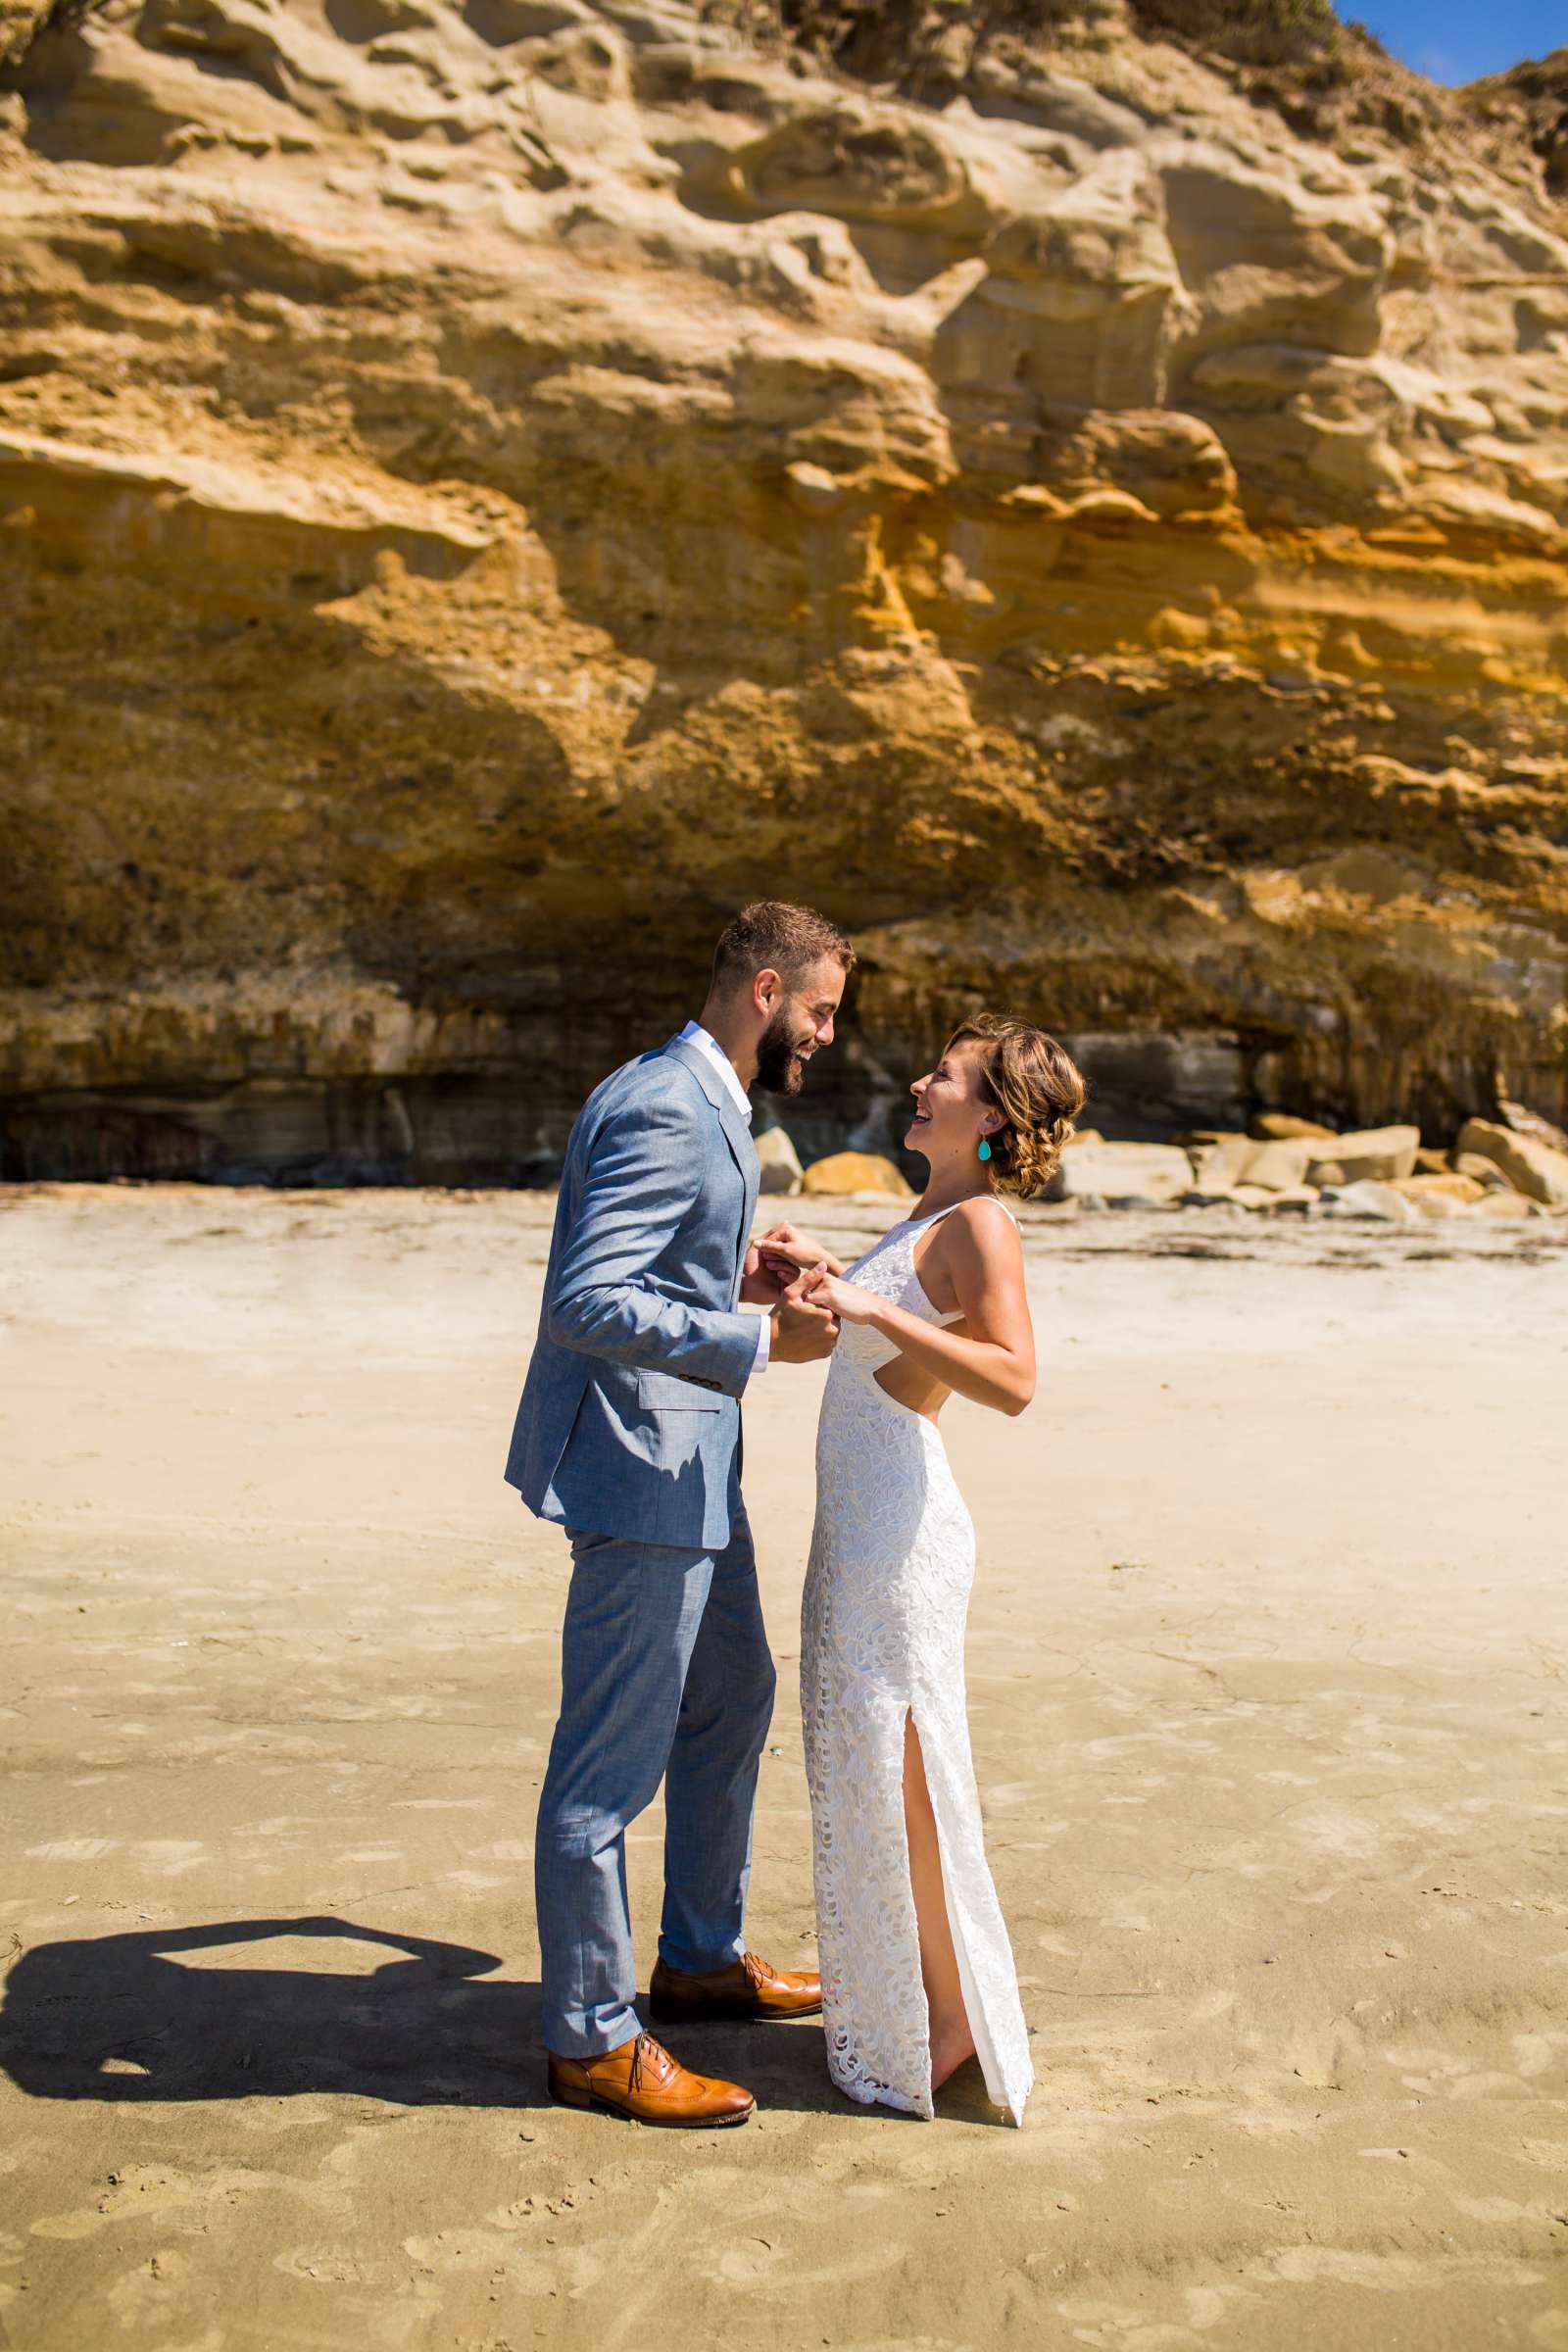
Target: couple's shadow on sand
{"type": "Point", "coordinates": [147, 2016]}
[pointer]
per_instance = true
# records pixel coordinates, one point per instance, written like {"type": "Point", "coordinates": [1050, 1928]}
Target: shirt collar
{"type": "Point", "coordinates": [695, 1034]}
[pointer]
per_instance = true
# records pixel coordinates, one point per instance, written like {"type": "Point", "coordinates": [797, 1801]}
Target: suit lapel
{"type": "Point", "coordinates": [736, 1131]}
{"type": "Point", "coordinates": [752, 1175]}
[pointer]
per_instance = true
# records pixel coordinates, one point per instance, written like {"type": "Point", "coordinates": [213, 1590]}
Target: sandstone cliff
{"type": "Point", "coordinates": [489, 484]}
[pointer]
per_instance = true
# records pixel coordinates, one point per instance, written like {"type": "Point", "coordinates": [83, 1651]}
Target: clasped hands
{"type": "Point", "coordinates": [803, 1283]}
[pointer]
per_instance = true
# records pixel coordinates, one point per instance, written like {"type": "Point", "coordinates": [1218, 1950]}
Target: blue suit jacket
{"type": "Point", "coordinates": [629, 1423]}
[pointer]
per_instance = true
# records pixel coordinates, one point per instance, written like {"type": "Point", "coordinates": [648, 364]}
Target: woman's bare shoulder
{"type": "Point", "coordinates": [985, 1213]}
{"type": "Point", "coordinates": [981, 1227]}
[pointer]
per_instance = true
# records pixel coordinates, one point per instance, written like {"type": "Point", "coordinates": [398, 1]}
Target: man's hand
{"type": "Point", "coordinates": [801, 1333]}
{"type": "Point", "coordinates": [786, 1247]}
{"type": "Point", "coordinates": [764, 1284]}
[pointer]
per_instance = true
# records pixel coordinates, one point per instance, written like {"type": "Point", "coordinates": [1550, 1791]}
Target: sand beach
{"type": "Point", "coordinates": [1270, 1687]}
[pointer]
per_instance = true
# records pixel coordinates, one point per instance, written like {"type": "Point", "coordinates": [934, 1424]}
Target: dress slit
{"type": "Point", "coordinates": [974, 2007]}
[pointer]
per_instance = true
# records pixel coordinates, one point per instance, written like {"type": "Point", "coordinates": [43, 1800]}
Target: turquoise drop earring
{"type": "Point", "coordinates": [985, 1147]}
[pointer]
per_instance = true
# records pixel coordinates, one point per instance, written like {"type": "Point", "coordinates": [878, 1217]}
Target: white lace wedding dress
{"type": "Point", "coordinates": [882, 1637]}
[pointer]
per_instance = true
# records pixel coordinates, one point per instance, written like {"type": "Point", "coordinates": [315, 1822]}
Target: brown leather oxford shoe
{"type": "Point", "coordinates": [642, 2082]}
{"type": "Point", "coordinates": [747, 1987]}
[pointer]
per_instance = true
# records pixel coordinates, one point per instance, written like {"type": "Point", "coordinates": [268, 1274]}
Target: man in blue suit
{"type": "Point", "coordinates": [628, 1435]}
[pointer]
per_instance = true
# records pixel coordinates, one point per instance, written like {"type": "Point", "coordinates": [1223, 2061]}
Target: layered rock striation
{"type": "Point", "coordinates": [486, 488]}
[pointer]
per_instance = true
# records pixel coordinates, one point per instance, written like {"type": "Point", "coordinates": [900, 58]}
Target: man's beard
{"type": "Point", "coordinates": [779, 1066]}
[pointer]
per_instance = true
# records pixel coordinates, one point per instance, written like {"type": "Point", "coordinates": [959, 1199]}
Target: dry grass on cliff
{"type": "Point", "coordinates": [1265, 33]}
{"type": "Point", "coordinates": [1530, 103]}
{"type": "Point", "coordinates": [1330, 79]}
{"type": "Point", "coordinates": [889, 38]}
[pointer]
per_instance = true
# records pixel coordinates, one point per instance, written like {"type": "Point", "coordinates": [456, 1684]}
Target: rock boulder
{"type": "Point", "coordinates": [1451, 1186]}
{"type": "Point", "coordinates": [781, 1162]}
{"type": "Point", "coordinates": [1383, 1155]}
{"type": "Point", "coordinates": [1218, 1159]}
{"type": "Point", "coordinates": [1152, 1173]}
{"type": "Point", "coordinates": [1368, 1199]}
{"type": "Point", "coordinates": [1283, 1127]}
{"type": "Point", "coordinates": [1276, 1166]}
{"type": "Point", "coordinates": [1505, 1208]}
{"type": "Point", "coordinates": [856, 1172]}
{"type": "Point", "coordinates": [1519, 1117]}
{"type": "Point", "coordinates": [1532, 1169]}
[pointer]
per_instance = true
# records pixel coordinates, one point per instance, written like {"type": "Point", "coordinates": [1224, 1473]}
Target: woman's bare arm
{"type": "Point", "coordinates": [993, 1361]}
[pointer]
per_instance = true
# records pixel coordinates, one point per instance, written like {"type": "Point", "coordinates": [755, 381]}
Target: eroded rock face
{"type": "Point", "coordinates": [488, 489]}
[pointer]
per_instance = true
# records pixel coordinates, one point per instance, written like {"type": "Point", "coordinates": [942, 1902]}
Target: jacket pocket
{"type": "Point", "coordinates": [663, 1392]}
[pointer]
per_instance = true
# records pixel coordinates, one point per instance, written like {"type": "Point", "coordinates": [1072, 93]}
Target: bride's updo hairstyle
{"type": "Point", "coordinates": [1035, 1085]}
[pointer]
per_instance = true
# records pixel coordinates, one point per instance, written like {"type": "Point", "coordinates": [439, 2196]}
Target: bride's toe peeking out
{"type": "Point", "coordinates": [917, 1971]}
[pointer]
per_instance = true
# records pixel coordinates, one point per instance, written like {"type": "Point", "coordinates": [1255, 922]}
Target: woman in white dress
{"type": "Point", "coordinates": [917, 1972]}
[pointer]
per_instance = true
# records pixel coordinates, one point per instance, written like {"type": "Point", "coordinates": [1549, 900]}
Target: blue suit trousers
{"type": "Point", "coordinates": [665, 1676]}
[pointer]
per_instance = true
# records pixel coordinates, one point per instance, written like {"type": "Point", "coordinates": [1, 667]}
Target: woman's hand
{"type": "Point", "coordinates": [798, 1250]}
{"type": "Point", "coordinates": [845, 1299]}
{"type": "Point", "coordinates": [765, 1279]}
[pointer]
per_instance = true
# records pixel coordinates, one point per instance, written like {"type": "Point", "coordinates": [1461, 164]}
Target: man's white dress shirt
{"type": "Point", "coordinates": [695, 1034]}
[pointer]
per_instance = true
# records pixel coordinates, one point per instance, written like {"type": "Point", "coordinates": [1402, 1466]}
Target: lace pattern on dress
{"type": "Point", "coordinates": [887, 1593]}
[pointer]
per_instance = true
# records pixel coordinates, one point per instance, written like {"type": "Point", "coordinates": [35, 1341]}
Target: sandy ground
{"type": "Point", "coordinates": [1268, 1686]}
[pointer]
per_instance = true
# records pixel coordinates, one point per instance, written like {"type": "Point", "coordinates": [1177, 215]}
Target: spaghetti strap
{"type": "Point", "coordinates": [933, 1216]}
{"type": "Point", "coordinates": [937, 1214]}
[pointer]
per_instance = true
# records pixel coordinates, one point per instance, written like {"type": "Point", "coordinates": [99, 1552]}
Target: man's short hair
{"type": "Point", "coordinates": [771, 934]}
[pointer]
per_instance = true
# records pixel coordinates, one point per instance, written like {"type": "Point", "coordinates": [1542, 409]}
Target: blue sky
{"type": "Point", "coordinates": [1459, 40]}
